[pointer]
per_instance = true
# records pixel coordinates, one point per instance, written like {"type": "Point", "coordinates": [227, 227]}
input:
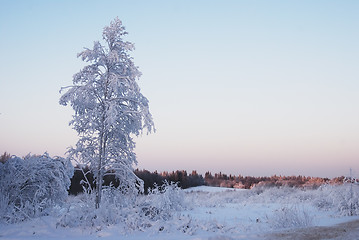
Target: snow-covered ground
{"type": "Point", "coordinates": [212, 214]}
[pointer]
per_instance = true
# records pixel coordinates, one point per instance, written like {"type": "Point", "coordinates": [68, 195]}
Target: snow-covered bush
{"type": "Point", "coordinates": [161, 205]}
{"type": "Point", "coordinates": [342, 198]}
{"type": "Point", "coordinates": [349, 203]}
{"type": "Point", "coordinates": [167, 197]}
{"type": "Point", "coordinates": [276, 194]}
{"type": "Point", "coordinates": [30, 185]}
{"type": "Point", "coordinates": [129, 211]}
{"type": "Point", "coordinates": [291, 217]}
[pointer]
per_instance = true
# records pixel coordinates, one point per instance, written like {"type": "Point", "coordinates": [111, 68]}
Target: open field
{"type": "Point", "coordinates": [213, 213]}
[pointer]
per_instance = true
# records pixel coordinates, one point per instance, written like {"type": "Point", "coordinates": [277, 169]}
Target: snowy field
{"type": "Point", "coordinates": [203, 213]}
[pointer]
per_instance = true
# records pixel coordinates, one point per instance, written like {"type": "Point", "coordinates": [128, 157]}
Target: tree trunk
{"type": "Point", "coordinates": [102, 149]}
{"type": "Point", "coordinates": [99, 177]}
{"type": "Point", "coordinates": [100, 170]}
{"type": "Point", "coordinates": [98, 189]}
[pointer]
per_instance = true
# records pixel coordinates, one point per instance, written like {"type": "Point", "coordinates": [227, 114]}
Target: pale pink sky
{"type": "Point", "coordinates": [242, 87]}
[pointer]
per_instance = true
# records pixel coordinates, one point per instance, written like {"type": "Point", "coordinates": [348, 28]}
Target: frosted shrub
{"type": "Point", "coordinates": [81, 212]}
{"type": "Point", "coordinates": [163, 207]}
{"type": "Point", "coordinates": [347, 199]}
{"type": "Point", "coordinates": [325, 197]}
{"type": "Point", "coordinates": [4, 205]}
{"type": "Point", "coordinates": [291, 217]}
{"type": "Point", "coordinates": [343, 198]}
{"type": "Point", "coordinates": [167, 197]}
{"type": "Point", "coordinates": [31, 185]}
{"type": "Point", "coordinates": [130, 211]}
{"type": "Point", "coordinates": [157, 210]}
{"type": "Point", "coordinates": [275, 194]}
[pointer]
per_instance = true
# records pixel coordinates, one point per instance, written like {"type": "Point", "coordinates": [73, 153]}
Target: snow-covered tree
{"type": "Point", "coordinates": [109, 109]}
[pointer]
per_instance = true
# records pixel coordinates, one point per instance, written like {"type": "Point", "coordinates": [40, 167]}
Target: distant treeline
{"type": "Point", "coordinates": [231, 181]}
{"type": "Point", "coordinates": [194, 179]}
{"type": "Point", "coordinates": [183, 179]}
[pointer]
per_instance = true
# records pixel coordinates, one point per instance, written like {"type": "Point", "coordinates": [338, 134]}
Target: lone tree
{"type": "Point", "coordinates": [109, 109]}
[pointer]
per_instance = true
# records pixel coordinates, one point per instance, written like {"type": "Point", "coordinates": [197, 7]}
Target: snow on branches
{"type": "Point", "coordinates": [109, 108]}
{"type": "Point", "coordinates": [30, 185]}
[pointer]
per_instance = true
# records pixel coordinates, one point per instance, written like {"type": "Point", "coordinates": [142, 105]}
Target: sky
{"type": "Point", "coordinates": [243, 87]}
